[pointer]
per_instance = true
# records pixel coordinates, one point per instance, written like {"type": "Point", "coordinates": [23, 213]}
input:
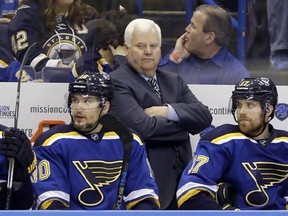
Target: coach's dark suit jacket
{"type": "Point", "coordinates": [168, 144]}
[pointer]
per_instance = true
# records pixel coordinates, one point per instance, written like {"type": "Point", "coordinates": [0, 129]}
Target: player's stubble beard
{"type": "Point", "coordinates": [249, 127]}
{"type": "Point", "coordinates": [86, 127]}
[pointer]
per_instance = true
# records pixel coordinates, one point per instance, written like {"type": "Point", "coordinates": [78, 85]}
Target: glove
{"type": "Point", "coordinates": [226, 196]}
{"type": "Point", "coordinates": [15, 144]}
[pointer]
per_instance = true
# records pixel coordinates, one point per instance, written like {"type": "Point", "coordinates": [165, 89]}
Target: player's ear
{"type": "Point", "coordinates": [269, 110]}
{"type": "Point", "coordinates": [106, 107]}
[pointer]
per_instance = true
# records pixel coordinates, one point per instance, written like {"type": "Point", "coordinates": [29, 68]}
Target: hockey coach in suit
{"type": "Point", "coordinates": [158, 105]}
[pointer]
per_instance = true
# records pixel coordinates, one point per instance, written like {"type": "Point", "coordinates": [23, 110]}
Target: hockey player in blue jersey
{"type": "Point", "coordinates": [251, 157]}
{"type": "Point", "coordinates": [10, 68]}
{"type": "Point", "coordinates": [79, 165]}
{"type": "Point", "coordinates": [15, 144]}
{"type": "Point", "coordinates": [58, 28]}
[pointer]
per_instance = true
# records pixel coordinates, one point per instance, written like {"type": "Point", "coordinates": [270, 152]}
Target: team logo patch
{"type": "Point", "coordinates": [99, 175]}
{"type": "Point", "coordinates": [64, 46]}
{"type": "Point", "coordinates": [94, 136]}
{"type": "Point", "coordinates": [281, 111]}
{"type": "Point", "coordinates": [265, 175]}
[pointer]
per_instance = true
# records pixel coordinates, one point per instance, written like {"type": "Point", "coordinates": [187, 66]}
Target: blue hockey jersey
{"type": "Point", "coordinates": [10, 68]}
{"type": "Point", "coordinates": [258, 172]}
{"type": "Point", "coordinates": [83, 171]}
{"type": "Point", "coordinates": [65, 42]}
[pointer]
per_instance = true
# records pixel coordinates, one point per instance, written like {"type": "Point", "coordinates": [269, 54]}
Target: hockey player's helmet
{"type": "Point", "coordinates": [93, 83]}
{"type": "Point", "coordinates": [259, 89]}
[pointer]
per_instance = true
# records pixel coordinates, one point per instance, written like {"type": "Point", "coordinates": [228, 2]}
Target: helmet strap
{"type": "Point", "coordinates": [265, 124]}
{"type": "Point", "coordinates": [101, 105]}
{"type": "Point", "coordinates": [97, 123]}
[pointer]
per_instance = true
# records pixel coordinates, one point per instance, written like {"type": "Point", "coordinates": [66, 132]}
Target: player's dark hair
{"type": "Point", "coordinates": [121, 19]}
{"type": "Point", "coordinates": [101, 33]}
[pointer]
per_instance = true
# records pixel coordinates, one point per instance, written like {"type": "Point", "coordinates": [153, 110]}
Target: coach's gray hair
{"type": "Point", "coordinates": [140, 25]}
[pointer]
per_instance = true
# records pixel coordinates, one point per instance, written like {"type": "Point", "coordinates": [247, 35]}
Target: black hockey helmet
{"type": "Point", "coordinates": [259, 89]}
{"type": "Point", "coordinates": [93, 83]}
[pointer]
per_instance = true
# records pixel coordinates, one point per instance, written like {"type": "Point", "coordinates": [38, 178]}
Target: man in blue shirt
{"type": "Point", "coordinates": [201, 55]}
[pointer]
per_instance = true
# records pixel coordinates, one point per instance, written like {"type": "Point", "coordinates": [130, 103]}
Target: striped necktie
{"type": "Point", "coordinates": [153, 83]}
